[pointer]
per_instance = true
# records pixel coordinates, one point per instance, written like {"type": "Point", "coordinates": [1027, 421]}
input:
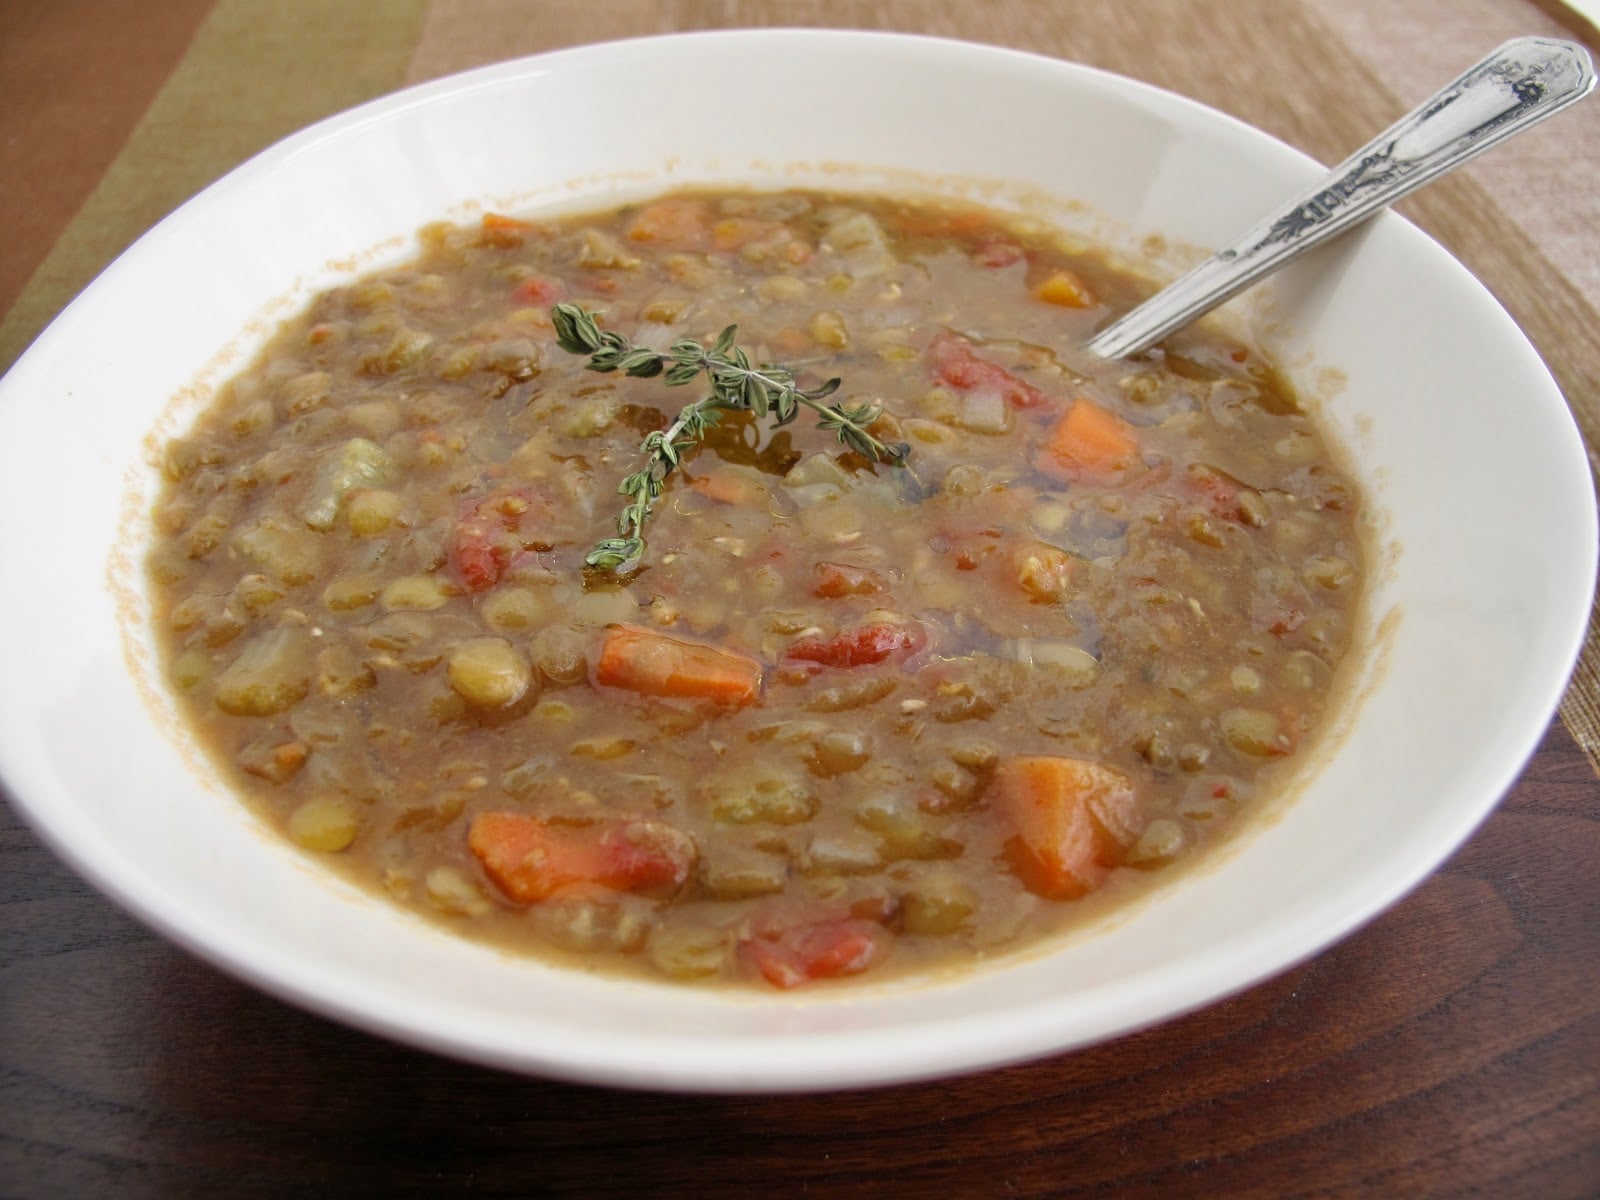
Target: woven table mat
{"type": "Point", "coordinates": [190, 88]}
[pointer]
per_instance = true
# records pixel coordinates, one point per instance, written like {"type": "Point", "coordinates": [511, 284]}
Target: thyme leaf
{"type": "Point", "coordinates": [736, 385]}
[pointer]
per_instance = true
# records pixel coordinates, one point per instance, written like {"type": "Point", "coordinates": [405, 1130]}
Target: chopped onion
{"type": "Point", "coordinates": [984, 410]}
{"type": "Point", "coordinates": [1074, 661]}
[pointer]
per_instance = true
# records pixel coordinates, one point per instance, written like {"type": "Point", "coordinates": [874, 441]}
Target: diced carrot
{"type": "Point", "coordinates": [531, 860]}
{"type": "Point", "coordinates": [954, 363]}
{"type": "Point", "coordinates": [503, 231]}
{"type": "Point", "coordinates": [277, 764]}
{"type": "Point", "coordinates": [1088, 441]}
{"type": "Point", "coordinates": [820, 950]}
{"type": "Point", "coordinates": [985, 243]}
{"type": "Point", "coordinates": [675, 221]}
{"type": "Point", "coordinates": [728, 486]}
{"type": "Point", "coordinates": [1067, 289]}
{"type": "Point", "coordinates": [499, 222]}
{"type": "Point", "coordinates": [655, 664]}
{"type": "Point", "coordinates": [861, 646]}
{"type": "Point", "coordinates": [1073, 818]}
{"type": "Point", "coordinates": [933, 223]}
{"type": "Point", "coordinates": [735, 233]}
{"type": "Point", "coordinates": [790, 341]}
{"type": "Point", "coordinates": [835, 581]}
{"type": "Point", "coordinates": [536, 289]}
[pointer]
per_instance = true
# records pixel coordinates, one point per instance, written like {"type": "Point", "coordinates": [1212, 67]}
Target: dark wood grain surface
{"type": "Point", "coordinates": [1450, 1049]}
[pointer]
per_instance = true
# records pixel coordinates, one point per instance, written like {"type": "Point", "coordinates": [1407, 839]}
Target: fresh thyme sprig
{"type": "Point", "coordinates": [736, 385]}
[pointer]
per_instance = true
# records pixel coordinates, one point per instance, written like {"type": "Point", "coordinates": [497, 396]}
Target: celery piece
{"type": "Point", "coordinates": [359, 464]}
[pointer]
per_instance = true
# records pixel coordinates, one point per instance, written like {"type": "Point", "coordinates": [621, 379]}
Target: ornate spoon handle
{"type": "Point", "coordinates": [1519, 85]}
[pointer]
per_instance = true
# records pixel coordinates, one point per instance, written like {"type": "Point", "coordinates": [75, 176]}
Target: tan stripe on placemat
{"type": "Point", "coordinates": [1148, 39]}
{"type": "Point", "coordinates": [256, 71]}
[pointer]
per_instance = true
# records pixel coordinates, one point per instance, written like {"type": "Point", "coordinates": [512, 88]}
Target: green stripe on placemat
{"type": "Point", "coordinates": [296, 61]}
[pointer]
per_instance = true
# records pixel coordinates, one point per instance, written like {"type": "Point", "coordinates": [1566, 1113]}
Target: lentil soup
{"type": "Point", "coordinates": [843, 717]}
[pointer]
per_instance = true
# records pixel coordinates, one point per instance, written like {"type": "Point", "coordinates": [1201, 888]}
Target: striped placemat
{"type": "Point", "coordinates": [100, 137]}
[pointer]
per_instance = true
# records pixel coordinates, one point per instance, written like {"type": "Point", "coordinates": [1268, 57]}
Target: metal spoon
{"type": "Point", "coordinates": [1519, 85]}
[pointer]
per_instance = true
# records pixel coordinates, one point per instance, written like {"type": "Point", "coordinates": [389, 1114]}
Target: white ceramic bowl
{"type": "Point", "coordinates": [1486, 526]}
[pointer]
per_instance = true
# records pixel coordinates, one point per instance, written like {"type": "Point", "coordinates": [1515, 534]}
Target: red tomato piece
{"type": "Point", "coordinates": [536, 289]}
{"type": "Point", "coordinates": [954, 363]}
{"type": "Point", "coordinates": [821, 950]}
{"type": "Point", "coordinates": [643, 856]}
{"type": "Point", "coordinates": [478, 561]}
{"type": "Point", "coordinates": [835, 581]}
{"type": "Point", "coordinates": [1221, 493]}
{"type": "Point", "coordinates": [531, 860]}
{"type": "Point", "coordinates": [1277, 616]}
{"type": "Point", "coordinates": [861, 646]}
{"type": "Point", "coordinates": [491, 533]}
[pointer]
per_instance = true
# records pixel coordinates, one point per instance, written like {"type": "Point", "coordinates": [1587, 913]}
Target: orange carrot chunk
{"type": "Point", "coordinates": [955, 364]}
{"type": "Point", "coordinates": [835, 581]}
{"type": "Point", "coordinates": [933, 223]}
{"type": "Point", "coordinates": [1065, 288]}
{"type": "Point", "coordinates": [820, 950]}
{"type": "Point", "coordinates": [499, 222]}
{"type": "Point", "coordinates": [1073, 820]}
{"type": "Point", "coordinates": [654, 664]}
{"type": "Point", "coordinates": [1088, 441]}
{"type": "Point", "coordinates": [503, 231]}
{"type": "Point", "coordinates": [735, 233]}
{"type": "Point", "coordinates": [728, 485]}
{"type": "Point", "coordinates": [682, 221]}
{"type": "Point", "coordinates": [532, 860]}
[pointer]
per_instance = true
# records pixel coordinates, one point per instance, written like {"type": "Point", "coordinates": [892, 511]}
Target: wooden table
{"type": "Point", "coordinates": [1452, 1048]}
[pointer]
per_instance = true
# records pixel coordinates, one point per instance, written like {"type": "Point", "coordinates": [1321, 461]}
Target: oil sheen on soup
{"type": "Point", "coordinates": [842, 718]}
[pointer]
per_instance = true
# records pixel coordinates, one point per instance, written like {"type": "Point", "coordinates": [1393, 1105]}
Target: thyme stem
{"type": "Point", "coordinates": [735, 386]}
